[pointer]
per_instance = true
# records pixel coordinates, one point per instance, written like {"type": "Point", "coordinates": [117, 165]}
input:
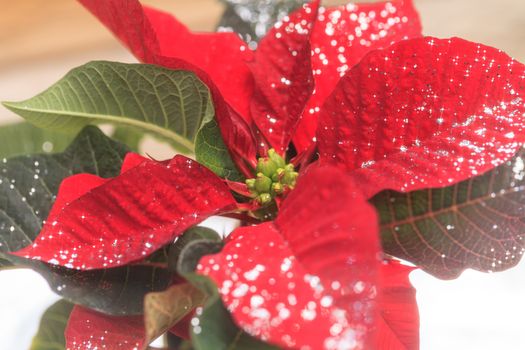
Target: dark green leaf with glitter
{"type": "Point", "coordinates": [29, 184]}
{"type": "Point", "coordinates": [478, 223]}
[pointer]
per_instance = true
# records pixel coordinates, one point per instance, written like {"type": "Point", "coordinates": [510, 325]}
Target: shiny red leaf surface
{"type": "Point", "coordinates": [218, 59]}
{"type": "Point", "coordinates": [309, 279]}
{"type": "Point", "coordinates": [129, 216]}
{"type": "Point", "coordinates": [132, 160]}
{"type": "Point", "coordinates": [341, 37]}
{"type": "Point", "coordinates": [424, 113]}
{"type": "Point", "coordinates": [398, 322]}
{"type": "Point", "coordinates": [283, 76]}
{"type": "Point", "coordinates": [76, 186]}
{"type": "Point", "coordinates": [88, 329]}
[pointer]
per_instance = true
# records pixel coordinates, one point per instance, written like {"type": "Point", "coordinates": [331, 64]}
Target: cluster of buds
{"type": "Point", "coordinates": [273, 178]}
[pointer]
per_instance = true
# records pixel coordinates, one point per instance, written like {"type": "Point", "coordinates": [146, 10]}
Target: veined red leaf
{"type": "Point", "coordinates": [477, 223]}
{"type": "Point", "coordinates": [129, 216]}
{"type": "Point", "coordinates": [424, 113]}
{"type": "Point", "coordinates": [309, 279]}
{"type": "Point", "coordinates": [283, 76]}
{"type": "Point", "coordinates": [342, 36]}
{"type": "Point", "coordinates": [158, 38]}
{"type": "Point", "coordinates": [398, 321]}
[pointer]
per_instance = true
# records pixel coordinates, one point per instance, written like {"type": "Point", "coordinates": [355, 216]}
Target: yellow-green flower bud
{"type": "Point", "coordinates": [264, 198]}
{"type": "Point", "coordinates": [276, 158]}
{"type": "Point", "coordinates": [277, 188]}
{"type": "Point", "coordinates": [250, 183]}
{"type": "Point", "coordinates": [278, 175]}
{"type": "Point", "coordinates": [266, 166]}
{"type": "Point", "coordinates": [263, 184]}
{"type": "Point", "coordinates": [274, 178]}
{"type": "Point", "coordinates": [290, 178]}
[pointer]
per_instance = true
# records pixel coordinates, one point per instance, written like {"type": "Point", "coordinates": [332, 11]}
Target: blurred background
{"type": "Point", "coordinates": [40, 40]}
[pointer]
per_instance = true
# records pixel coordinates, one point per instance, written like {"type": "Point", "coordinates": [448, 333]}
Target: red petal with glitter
{"type": "Point", "coordinates": [129, 216]}
{"type": "Point", "coordinates": [76, 186]}
{"type": "Point", "coordinates": [341, 37]}
{"type": "Point", "coordinates": [398, 323]}
{"type": "Point", "coordinates": [307, 280]}
{"type": "Point", "coordinates": [218, 59]}
{"type": "Point", "coordinates": [283, 76]}
{"type": "Point", "coordinates": [88, 329]}
{"type": "Point", "coordinates": [424, 113]}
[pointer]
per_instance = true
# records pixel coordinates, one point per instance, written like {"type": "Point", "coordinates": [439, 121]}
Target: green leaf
{"type": "Point", "coordinates": [211, 151]}
{"type": "Point", "coordinates": [163, 310]}
{"type": "Point", "coordinates": [215, 329]}
{"type": "Point", "coordinates": [29, 184]}
{"type": "Point", "coordinates": [167, 103]}
{"type": "Point", "coordinates": [478, 223]}
{"type": "Point", "coordinates": [24, 138]}
{"type": "Point", "coordinates": [253, 19]}
{"type": "Point", "coordinates": [196, 233]}
{"type": "Point", "coordinates": [50, 335]}
{"type": "Point", "coordinates": [117, 291]}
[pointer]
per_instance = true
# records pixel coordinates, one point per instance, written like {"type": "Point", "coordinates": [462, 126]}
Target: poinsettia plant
{"type": "Point", "coordinates": [350, 148]}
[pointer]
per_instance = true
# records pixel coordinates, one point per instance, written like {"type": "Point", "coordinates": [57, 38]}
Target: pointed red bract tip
{"type": "Point", "coordinates": [98, 223]}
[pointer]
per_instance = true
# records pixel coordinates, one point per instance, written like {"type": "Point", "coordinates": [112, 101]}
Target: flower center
{"type": "Point", "coordinates": [273, 178]}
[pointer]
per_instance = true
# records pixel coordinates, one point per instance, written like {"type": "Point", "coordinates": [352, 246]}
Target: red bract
{"type": "Point", "coordinates": [311, 278]}
{"type": "Point", "coordinates": [342, 36]}
{"type": "Point", "coordinates": [417, 114]}
{"type": "Point", "coordinates": [97, 223]}
{"type": "Point", "coordinates": [277, 92]}
{"type": "Point", "coordinates": [283, 77]}
{"type": "Point", "coordinates": [398, 319]}
{"type": "Point", "coordinates": [424, 113]}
